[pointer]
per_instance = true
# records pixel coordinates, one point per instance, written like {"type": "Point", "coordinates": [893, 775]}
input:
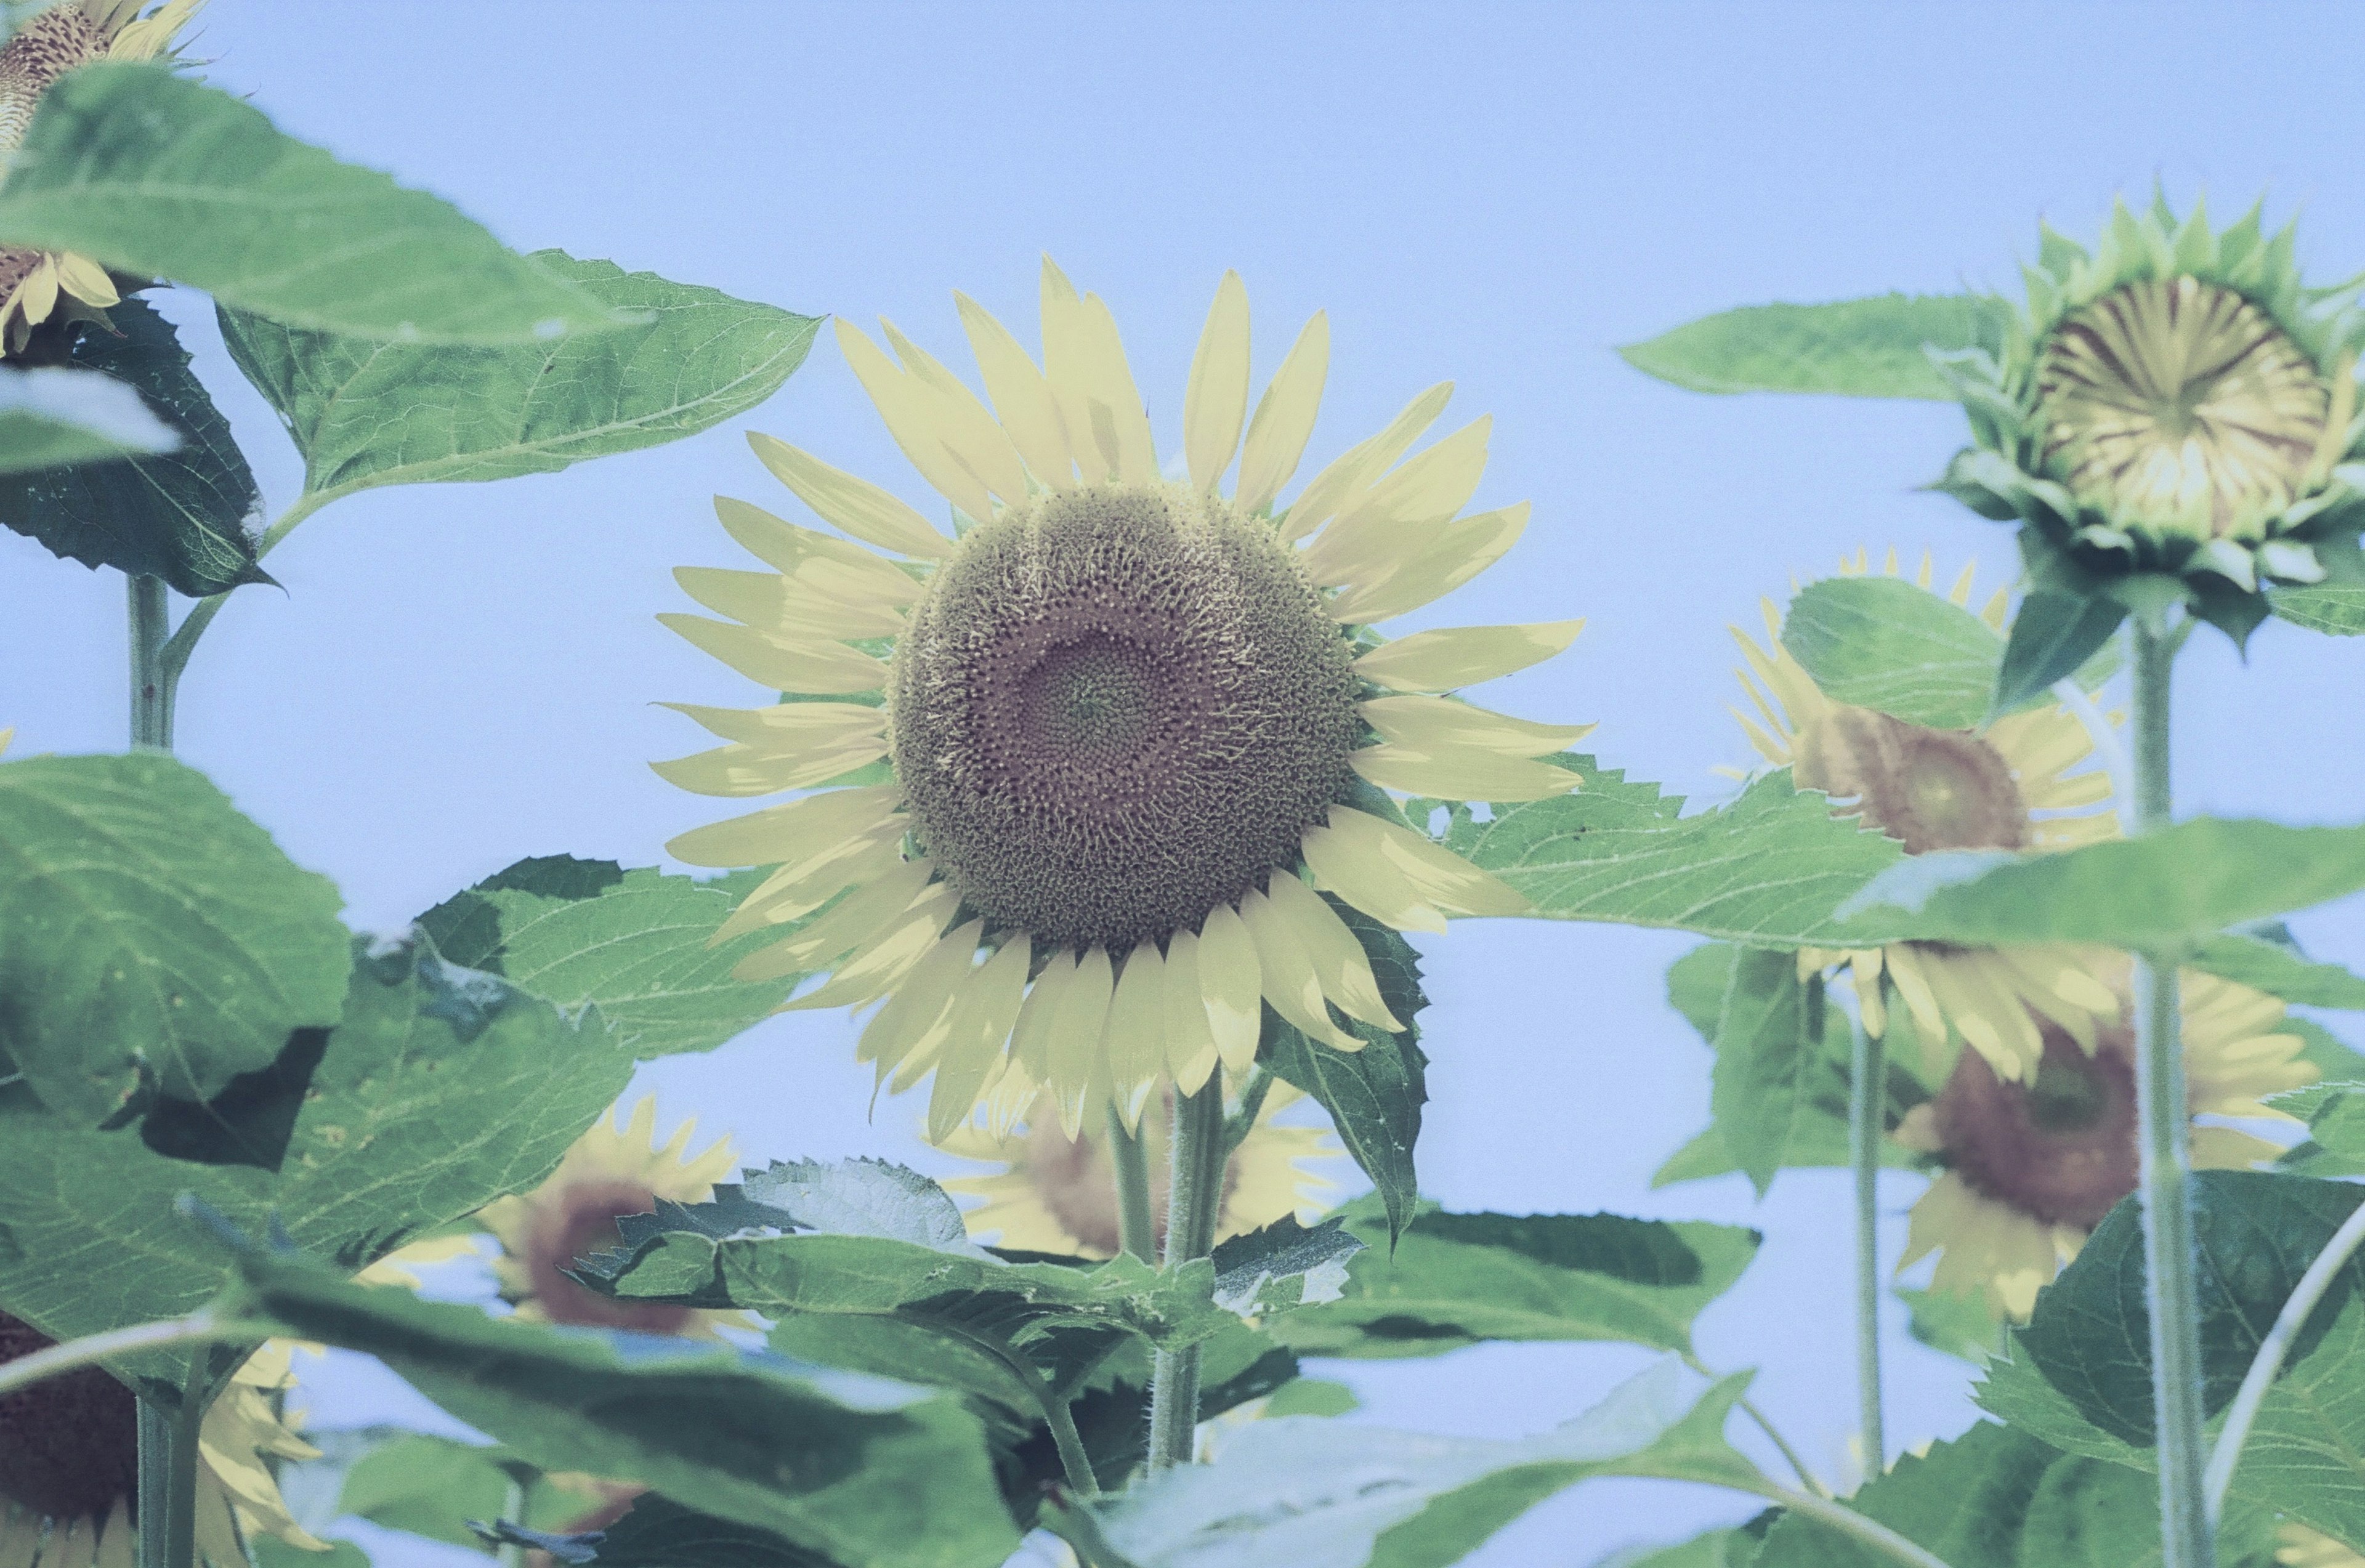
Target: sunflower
{"type": "Point", "coordinates": [2021, 782]}
{"type": "Point", "coordinates": [2300, 1547]}
{"type": "Point", "coordinates": [1121, 719]}
{"type": "Point", "coordinates": [1054, 1193]}
{"type": "Point", "coordinates": [37, 284]}
{"type": "Point", "coordinates": [606, 1174]}
{"type": "Point", "coordinates": [2032, 1167]}
{"type": "Point", "coordinates": [69, 1464]}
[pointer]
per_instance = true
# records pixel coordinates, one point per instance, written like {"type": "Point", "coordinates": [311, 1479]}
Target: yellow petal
{"type": "Point", "coordinates": [1464, 656]}
{"type": "Point", "coordinates": [1290, 983]}
{"type": "Point", "coordinates": [969, 431]}
{"type": "Point", "coordinates": [885, 959]}
{"type": "Point", "coordinates": [1067, 366]}
{"type": "Point", "coordinates": [1077, 1029]}
{"type": "Point", "coordinates": [988, 1007]}
{"type": "Point", "coordinates": [1433, 874]}
{"type": "Point", "coordinates": [1463, 549]}
{"type": "Point", "coordinates": [1461, 773]}
{"type": "Point", "coordinates": [1135, 1033]}
{"type": "Point", "coordinates": [1339, 961]}
{"type": "Point", "coordinates": [1347, 475]}
{"type": "Point", "coordinates": [6, 736]}
{"type": "Point", "coordinates": [1190, 1045]}
{"type": "Point", "coordinates": [1284, 418]}
{"type": "Point", "coordinates": [1366, 879]}
{"type": "Point", "coordinates": [1022, 398]}
{"type": "Point", "coordinates": [912, 1021]}
{"type": "Point", "coordinates": [789, 549]}
{"type": "Point", "coordinates": [858, 506]}
{"type": "Point", "coordinates": [86, 280]}
{"type": "Point", "coordinates": [915, 418]}
{"type": "Point", "coordinates": [80, 1549]}
{"type": "Point", "coordinates": [774, 603]}
{"type": "Point", "coordinates": [1112, 387]}
{"type": "Point", "coordinates": [735, 772]}
{"type": "Point", "coordinates": [1398, 517]}
{"type": "Point", "coordinates": [1030, 1040]}
{"type": "Point", "coordinates": [795, 892]}
{"type": "Point", "coordinates": [783, 834]}
{"type": "Point", "coordinates": [784, 725]}
{"type": "Point", "coordinates": [1231, 982]}
{"type": "Point", "coordinates": [864, 912]}
{"type": "Point", "coordinates": [1427, 722]}
{"type": "Point", "coordinates": [37, 295]}
{"type": "Point", "coordinates": [1216, 399]}
{"type": "Point", "coordinates": [119, 1540]}
{"type": "Point", "coordinates": [817, 669]}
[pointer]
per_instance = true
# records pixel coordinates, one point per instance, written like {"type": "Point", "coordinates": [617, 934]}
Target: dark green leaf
{"type": "Point", "coordinates": [661, 1533]}
{"type": "Point", "coordinates": [1876, 347]}
{"type": "Point", "coordinates": [425, 1485]}
{"type": "Point", "coordinates": [2054, 634]}
{"type": "Point", "coordinates": [365, 413]}
{"type": "Point", "coordinates": [1768, 1054]}
{"type": "Point", "coordinates": [1882, 643]}
{"type": "Point", "coordinates": [2279, 970]}
{"type": "Point", "coordinates": [1284, 1266]}
{"type": "Point", "coordinates": [181, 516]}
{"type": "Point", "coordinates": [53, 417]}
{"type": "Point", "coordinates": [152, 939]}
{"type": "Point", "coordinates": [153, 173]}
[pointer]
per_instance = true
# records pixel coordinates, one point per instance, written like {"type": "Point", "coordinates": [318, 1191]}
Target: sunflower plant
{"type": "Point", "coordinates": [1101, 783]}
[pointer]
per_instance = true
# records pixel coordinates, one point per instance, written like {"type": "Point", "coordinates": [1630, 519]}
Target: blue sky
{"type": "Point", "coordinates": [1494, 193]}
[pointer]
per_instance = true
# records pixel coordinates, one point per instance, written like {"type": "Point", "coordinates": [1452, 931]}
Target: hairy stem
{"type": "Point", "coordinates": [1848, 1522]}
{"type": "Point", "coordinates": [168, 1482]}
{"type": "Point", "coordinates": [1868, 1106]}
{"type": "Point", "coordinates": [1194, 1189]}
{"type": "Point", "coordinates": [151, 687]}
{"type": "Point", "coordinates": [1136, 1229]}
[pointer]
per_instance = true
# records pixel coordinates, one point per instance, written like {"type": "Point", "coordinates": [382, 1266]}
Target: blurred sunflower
{"type": "Point", "coordinates": [1055, 1194]}
{"type": "Point", "coordinates": [2301, 1547]}
{"type": "Point", "coordinates": [608, 1173]}
{"type": "Point", "coordinates": [1116, 714]}
{"type": "Point", "coordinates": [2032, 1167]}
{"type": "Point", "coordinates": [69, 1464]}
{"type": "Point", "coordinates": [2022, 782]}
{"type": "Point", "coordinates": [37, 284]}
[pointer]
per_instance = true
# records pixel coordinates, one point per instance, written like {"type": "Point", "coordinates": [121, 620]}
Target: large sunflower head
{"type": "Point", "coordinates": [608, 1173]}
{"type": "Point", "coordinates": [2032, 1165]}
{"type": "Point", "coordinates": [1057, 1194]}
{"type": "Point", "coordinates": [1087, 762]}
{"type": "Point", "coordinates": [36, 286]}
{"type": "Point", "coordinates": [2026, 782]}
{"type": "Point", "coordinates": [69, 1463]}
{"type": "Point", "coordinates": [2176, 399]}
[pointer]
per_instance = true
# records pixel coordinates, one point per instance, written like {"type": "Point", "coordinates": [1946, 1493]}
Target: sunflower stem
{"type": "Point", "coordinates": [172, 658]}
{"type": "Point", "coordinates": [2171, 1275]}
{"type": "Point", "coordinates": [1194, 1187]}
{"type": "Point", "coordinates": [151, 689]}
{"type": "Point", "coordinates": [1868, 1101]}
{"type": "Point", "coordinates": [1136, 1229]}
{"type": "Point", "coordinates": [509, 1553]}
{"type": "Point", "coordinates": [168, 1481]}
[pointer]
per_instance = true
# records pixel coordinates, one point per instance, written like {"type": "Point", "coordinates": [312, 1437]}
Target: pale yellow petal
{"type": "Point", "coordinates": [21, 1535]}
{"type": "Point", "coordinates": [817, 668]}
{"type": "Point", "coordinates": [789, 725]}
{"type": "Point", "coordinates": [779, 834]}
{"type": "Point", "coordinates": [800, 886]}
{"type": "Point", "coordinates": [1464, 656]}
{"type": "Point", "coordinates": [1231, 982]}
{"type": "Point", "coordinates": [119, 1540]}
{"type": "Point", "coordinates": [1284, 418]}
{"type": "Point", "coordinates": [1395, 875]}
{"type": "Point", "coordinates": [1216, 400]}
{"type": "Point", "coordinates": [861, 914]}
{"type": "Point", "coordinates": [1339, 961]}
{"type": "Point", "coordinates": [1030, 1039]}
{"type": "Point", "coordinates": [882, 962]}
{"type": "Point", "coordinates": [1463, 549]}
{"type": "Point", "coordinates": [858, 506]}
{"type": "Point", "coordinates": [1424, 722]}
{"type": "Point", "coordinates": [969, 431]}
{"type": "Point", "coordinates": [1461, 773]}
{"type": "Point", "coordinates": [916, 417]}
{"type": "Point", "coordinates": [1022, 398]}
{"type": "Point", "coordinates": [86, 280]}
{"type": "Point", "coordinates": [1078, 1028]}
{"type": "Point", "coordinates": [736, 772]}
{"type": "Point", "coordinates": [1067, 366]}
{"type": "Point", "coordinates": [37, 295]}
{"type": "Point", "coordinates": [912, 1025]}
{"type": "Point", "coordinates": [1114, 390]}
{"type": "Point", "coordinates": [988, 1008]}
{"type": "Point", "coordinates": [1290, 982]}
{"type": "Point", "coordinates": [1354, 468]}
{"type": "Point", "coordinates": [1191, 1051]}
{"type": "Point", "coordinates": [1398, 517]}
{"type": "Point", "coordinates": [1134, 1036]}
{"type": "Point", "coordinates": [790, 550]}
{"type": "Point", "coordinates": [774, 603]}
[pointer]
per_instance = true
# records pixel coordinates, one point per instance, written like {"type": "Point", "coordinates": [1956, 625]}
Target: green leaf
{"type": "Point", "coordinates": [1960, 1323]}
{"type": "Point", "coordinates": [2054, 636]}
{"type": "Point", "coordinates": [634, 943]}
{"type": "Point", "coordinates": [1283, 1267]}
{"type": "Point", "coordinates": [150, 937]}
{"type": "Point", "coordinates": [426, 1486]}
{"type": "Point", "coordinates": [2335, 606]}
{"type": "Point", "coordinates": [181, 515]}
{"type": "Point", "coordinates": [365, 413]}
{"type": "Point", "coordinates": [1373, 1095]}
{"type": "Point", "coordinates": [1309, 1493]}
{"type": "Point", "coordinates": [1768, 1054]}
{"type": "Point", "coordinates": [863, 1469]}
{"type": "Point", "coordinates": [1717, 1549]}
{"type": "Point", "coordinates": [2171, 888]}
{"type": "Point", "coordinates": [1766, 870]}
{"type": "Point", "coordinates": [2279, 970]}
{"type": "Point", "coordinates": [1882, 643]}
{"type": "Point", "coordinates": [661, 1533]}
{"type": "Point", "coordinates": [153, 173]}
{"type": "Point", "coordinates": [1876, 347]}
{"type": "Point", "coordinates": [1312, 1397]}
{"type": "Point", "coordinates": [438, 1091]}
{"type": "Point", "coordinates": [1459, 1279]}
{"type": "Point", "coordinates": [2336, 1118]}
{"type": "Point", "coordinates": [53, 416]}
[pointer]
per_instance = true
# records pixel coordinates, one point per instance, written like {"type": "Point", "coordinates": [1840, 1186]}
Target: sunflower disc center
{"type": "Point", "coordinates": [2060, 1148]}
{"type": "Point", "coordinates": [1116, 708]}
{"type": "Point", "coordinates": [1928, 789]}
{"type": "Point", "coordinates": [69, 1447]}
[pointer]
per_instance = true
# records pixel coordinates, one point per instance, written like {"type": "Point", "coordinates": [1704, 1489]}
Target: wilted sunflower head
{"type": "Point", "coordinates": [2175, 400]}
{"type": "Point", "coordinates": [1110, 768]}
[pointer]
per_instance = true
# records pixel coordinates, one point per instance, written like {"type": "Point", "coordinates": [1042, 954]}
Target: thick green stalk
{"type": "Point", "coordinates": [1194, 1190]}
{"type": "Point", "coordinates": [1136, 1229]}
{"type": "Point", "coordinates": [2164, 1117]}
{"type": "Point", "coordinates": [151, 687]}
{"type": "Point", "coordinates": [1867, 1104]}
{"type": "Point", "coordinates": [168, 1482]}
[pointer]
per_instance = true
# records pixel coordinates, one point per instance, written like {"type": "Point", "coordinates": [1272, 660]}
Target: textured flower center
{"type": "Point", "coordinates": [1116, 708]}
{"type": "Point", "coordinates": [580, 1220]}
{"type": "Point", "coordinates": [2180, 404]}
{"type": "Point", "coordinates": [42, 51]}
{"type": "Point", "coordinates": [1927, 789]}
{"type": "Point", "coordinates": [2060, 1148]}
{"type": "Point", "coordinates": [1075, 1182]}
{"type": "Point", "coordinates": [69, 1447]}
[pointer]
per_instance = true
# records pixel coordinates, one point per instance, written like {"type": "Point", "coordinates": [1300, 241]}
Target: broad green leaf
{"type": "Point", "coordinates": [269, 1551]}
{"type": "Point", "coordinates": [426, 1486]}
{"type": "Point", "coordinates": [53, 416]}
{"type": "Point", "coordinates": [1882, 643]}
{"type": "Point", "coordinates": [1768, 1057]}
{"type": "Point", "coordinates": [1876, 347]}
{"type": "Point", "coordinates": [1284, 1266]}
{"type": "Point", "coordinates": [2336, 1118]}
{"type": "Point", "coordinates": [2335, 607]}
{"type": "Point", "coordinates": [1373, 1095]}
{"type": "Point", "coordinates": [2279, 970]}
{"type": "Point", "coordinates": [366, 413]}
{"type": "Point", "coordinates": [1766, 870]}
{"type": "Point", "coordinates": [866, 1470]}
{"type": "Point", "coordinates": [1960, 1323]}
{"type": "Point", "coordinates": [153, 173]}
{"type": "Point", "coordinates": [1459, 1279]}
{"type": "Point", "coordinates": [2180, 885]}
{"type": "Point", "coordinates": [438, 1091]}
{"type": "Point", "coordinates": [1310, 1492]}
{"type": "Point", "coordinates": [1717, 1549]}
{"type": "Point", "coordinates": [1313, 1397]}
{"type": "Point", "coordinates": [152, 939]}
{"type": "Point", "coordinates": [636, 943]}
{"type": "Point", "coordinates": [181, 515]}
{"type": "Point", "coordinates": [2053, 637]}
{"type": "Point", "coordinates": [661, 1533]}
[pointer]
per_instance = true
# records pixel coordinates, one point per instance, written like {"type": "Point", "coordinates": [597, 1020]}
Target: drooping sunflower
{"type": "Point", "coordinates": [1055, 1194]}
{"type": "Point", "coordinates": [1117, 713]}
{"type": "Point", "coordinates": [69, 1464]}
{"type": "Point", "coordinates": [2025, 781]}
{"type": "Point", "coordinates": [2032, 1167]}
{"type": "Point", "coordinates": [2175, 400]}
{"type": "Point", "coordinates": [36, 286]}
{"type": "Point", "coordinates": [606, 1174]}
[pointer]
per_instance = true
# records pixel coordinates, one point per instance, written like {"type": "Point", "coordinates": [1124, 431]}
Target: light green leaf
{"type": "Point", "coordinates": [153, 173]}
{"type": "Point", "coordinates": [1283, 1267]}
{"type": "Point", "coordinates": [1717, 1549]}
{"type": "Point", "coordinates": [150, 937]}
{"type": "Point", "coordinates": [366, 413]}
{"type": "Point", "coordinates": [1882, 643]}
{"type": "Point", "coordinates": [1312, 1397]}
{"type": "Point", "coordinates": [2279, 970]}
{"type": "Point", "coordinates": [56, 415]}
{"type": "Point", "coordinates": [2335, 606]}
{"type": "Point", "coordinates": [1960, 1323]}
{"type": "Point", "coordinates": [1459, 1279]}
{"type": "Point", "coordinates": [1876, 347]}
{"type": "Point", "coordinates": [1768, 1057]}
{"type": "Point", "coordinates": [429, 1486]}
